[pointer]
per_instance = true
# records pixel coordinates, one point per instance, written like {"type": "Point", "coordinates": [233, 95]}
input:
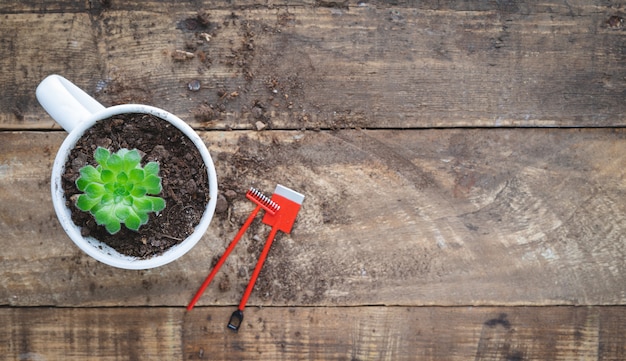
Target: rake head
{"type": "Point", "coordinates": [261, 200]}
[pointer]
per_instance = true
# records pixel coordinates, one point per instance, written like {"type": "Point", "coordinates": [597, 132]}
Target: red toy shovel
{"type": "Point", "coordinates": [289, 202]}
{"type": "Point", "coordinates": [262, 202]}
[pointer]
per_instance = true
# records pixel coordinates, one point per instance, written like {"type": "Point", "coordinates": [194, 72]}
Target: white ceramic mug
{"type": "Point", "coordinates": [76, 112]}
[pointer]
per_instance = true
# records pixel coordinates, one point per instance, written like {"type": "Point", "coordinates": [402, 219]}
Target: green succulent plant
{"type": "Point", "coordinates": [117, 190]}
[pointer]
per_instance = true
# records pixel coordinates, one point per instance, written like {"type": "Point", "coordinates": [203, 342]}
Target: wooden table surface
{"type": "Point", "coordinates": [463, 162]}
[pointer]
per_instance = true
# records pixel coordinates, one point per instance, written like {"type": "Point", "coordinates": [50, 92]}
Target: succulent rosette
{"type": "Point", "coordinates": [119, 191]}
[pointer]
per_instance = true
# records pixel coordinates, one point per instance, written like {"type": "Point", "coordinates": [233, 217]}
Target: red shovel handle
{"type": "Point", "coordinates": [257, 269]}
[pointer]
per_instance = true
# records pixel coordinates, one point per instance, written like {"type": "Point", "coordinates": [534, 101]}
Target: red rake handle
{"type": "Point", "coordinates": [221, 261]}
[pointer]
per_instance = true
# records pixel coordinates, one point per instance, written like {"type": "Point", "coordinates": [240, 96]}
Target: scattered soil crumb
{"type": "Point", "coordinates": [205, 113]}
{"type": "Point", "coordinates": [224, 284]}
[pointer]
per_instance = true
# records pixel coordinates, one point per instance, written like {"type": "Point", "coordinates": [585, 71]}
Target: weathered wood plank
{"type": "Point", "coordinates": [32, 46]}
{"type": "Point", "coordinates": [433, 217]}
{"type": "Point", "coordinates": [35, 334]}
{"type": "Point", "coordinates": [395, 333]}
{"type": "Point", "coordinates": [44, 7]}
{"type": "Point", "coordinates": [433, 65]}
{"type": "Point", "coordinates": [97, 7]}
{"type": "Point", "coordinates": [302, 333]}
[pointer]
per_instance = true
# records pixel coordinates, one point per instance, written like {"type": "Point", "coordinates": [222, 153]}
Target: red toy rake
{"type": "Point", "coordinates": [261, 202]}
{"type": "Point", "coordinates": [281, 212]}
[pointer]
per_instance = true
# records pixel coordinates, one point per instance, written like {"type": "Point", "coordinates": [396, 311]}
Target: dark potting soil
{"type": "Point", "coordinates": [183, 173]}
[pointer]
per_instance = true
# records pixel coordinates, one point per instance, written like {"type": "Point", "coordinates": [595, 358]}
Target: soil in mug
{"type": "Point", "coordinates": [183, 173]}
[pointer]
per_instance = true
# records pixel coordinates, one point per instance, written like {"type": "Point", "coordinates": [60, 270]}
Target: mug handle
{"type": "Point", "coordinates": [66, 103]}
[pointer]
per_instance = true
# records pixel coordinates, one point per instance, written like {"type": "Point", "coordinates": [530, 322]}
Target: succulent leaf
{"type": "Point", "coordinates": [158, 204]}
{"type": "Point", "coordinates": [89, 174]}
{"type": "Point", "coordinates": [122, 213]}
{"type": "Point", "coordinates": [101, 155]}
{"type": "Point", "coordinates": [136, 175]}
{"type": "Point", "coordinates": [107, 176]}
{"type": "Point", "coordinates": [138, 192]}
{"type": "Point", "coordinates": [143, 217]}
{"type": "Point", "coordinates": [151, 168]}
{"type": "Point", "coordinates": [131, 160]}
{"type": "Point", "coordinates": [143, 205]}
{"type": "Point", "coordinates": [152, 184]}
{"type": "Point", "coordinates": [94, 190]}
{"type": "Point", "coordinates": [107, 199]}
{"type": "Point", "coordinates": [104, 215]}
{"type": "Point", "coordinates": [133, 222]}
{"type": "Point", "coordinates": [122, 177]}
{"type": "Point", "coordinates": [86, 203]}
{"type": "Point", "coordinates": [82, 183]}
{"type": "Point", "coordinates": [113, 226]}
{"type": "Point", "coordinates": [115, 192]}
{"type": "Point", "coordinates": [115, 163]}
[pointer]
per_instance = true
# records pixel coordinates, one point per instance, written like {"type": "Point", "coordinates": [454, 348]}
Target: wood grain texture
{"type": "Point", "coordinates": [302, 333]}
{"type": "Point", "coordinates": [44, 334]}
{"type": "Point", "coordinates": [31, 47]}
{"type": "Point", "coordinates": [431, 217]}
{"type": "Point", "coordinates": [425, 234]}
{"type": "Point", "coordinates": [399, 333]}
{"type": "Point", "coordinates": [430, 64]}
